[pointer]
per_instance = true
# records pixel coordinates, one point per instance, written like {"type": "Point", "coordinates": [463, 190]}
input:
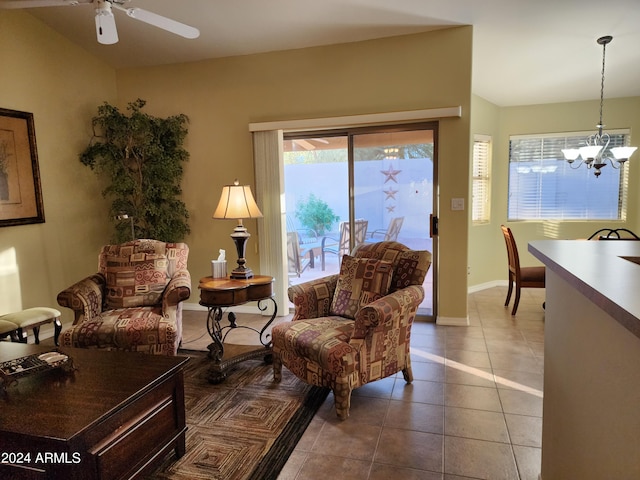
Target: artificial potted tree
{"type": "Point", "coordinates": [141, 158]}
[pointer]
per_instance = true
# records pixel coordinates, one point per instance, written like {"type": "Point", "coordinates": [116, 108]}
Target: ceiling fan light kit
{"type": "Point", "coordinates": [106, 30]}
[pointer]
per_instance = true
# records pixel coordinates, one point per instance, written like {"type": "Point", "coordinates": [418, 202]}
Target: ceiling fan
{"type": "Point", "coordinates": [105, 22]}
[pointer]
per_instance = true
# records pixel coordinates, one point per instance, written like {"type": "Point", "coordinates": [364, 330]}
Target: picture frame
{"type": "Point", "coordinates": [20, 190]}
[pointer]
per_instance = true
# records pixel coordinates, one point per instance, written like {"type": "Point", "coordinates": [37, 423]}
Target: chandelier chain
{"type": "Point", "coordinates": [604, 51]}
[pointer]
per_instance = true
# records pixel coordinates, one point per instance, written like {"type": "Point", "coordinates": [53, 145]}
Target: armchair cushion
{"type": "Point", "coordinates": [136, 273]}
{"type": "Point", "coordinates": [410, 269]}
{"type": "Point", "coordinates": [324, 341]}
{"type": "Point", "coordinates": [122, 328]}
{"type": "Point", "coordinates": [361, 281]}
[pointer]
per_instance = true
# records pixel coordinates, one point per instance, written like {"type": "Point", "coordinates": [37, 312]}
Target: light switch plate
{"type": "Point", "coordinates": [457, 204]}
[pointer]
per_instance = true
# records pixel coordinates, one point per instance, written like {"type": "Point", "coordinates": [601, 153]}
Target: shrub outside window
{"type": "Point", "coordinates": [543, 186]}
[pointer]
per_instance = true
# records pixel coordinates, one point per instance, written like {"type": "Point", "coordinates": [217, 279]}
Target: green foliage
{"type": "Point", "coordinates": [141, 158]}
{"type": "Point", "coordinates": [316, 215]}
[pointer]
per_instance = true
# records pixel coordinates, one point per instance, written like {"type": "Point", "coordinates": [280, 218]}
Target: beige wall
{"type": "Point", "coordinates": [221, 97]}
{"type": "Point", "coordinates": [61, 85]}
{"type": "Point", "coordinates": [484, 252]}
{"type": "Point", "coordinates": [487, 254]}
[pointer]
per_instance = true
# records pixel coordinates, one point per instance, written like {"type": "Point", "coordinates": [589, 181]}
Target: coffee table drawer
{"type": "Point", "coordinates": [132, 447]}
{"type": "Point", "coordinates": [134, 436]}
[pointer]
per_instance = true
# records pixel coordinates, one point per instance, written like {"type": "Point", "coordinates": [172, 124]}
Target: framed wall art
{"type": "Point", "coordinates": [20, 191]}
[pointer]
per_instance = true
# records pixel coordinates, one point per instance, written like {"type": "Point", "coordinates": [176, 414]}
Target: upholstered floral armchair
{"type": "Point", "coordinates": [355, 327]}
{"type": "Point", "coordinates": [134, 301]}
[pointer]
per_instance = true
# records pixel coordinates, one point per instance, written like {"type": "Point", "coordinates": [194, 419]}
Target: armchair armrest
{"type": "Point", "coordinates": [307, 235]}
{"type": "Point", "coordinates": [85, 297]}
{"type": "Point", "coordinates": [328, 243]}
{"type": "Point", "coordinates": [399, 306]}
{"type": "Point", "coordinates": [382, 333]}
{"type": "Point", "coordinates": [177, 290]}
{"type": "Point", "coordinates": [313, 299]}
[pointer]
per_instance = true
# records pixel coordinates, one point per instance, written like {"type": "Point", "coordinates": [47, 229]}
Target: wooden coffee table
{"type": "Point", "coordinates": [219, 293]}
{"type": "Point", "coordinates": [116, 416]}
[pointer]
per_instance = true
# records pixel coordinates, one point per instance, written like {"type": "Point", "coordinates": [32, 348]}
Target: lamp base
{"type": "Point", "coordinates": [241, 273]}
{"type": "Point", "coordinates": [240, 237]}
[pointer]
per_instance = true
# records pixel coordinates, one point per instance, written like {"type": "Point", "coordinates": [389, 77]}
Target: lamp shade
{"type": "Point", "coordinates": [590, 151]}
{"type": "Point", "coordinates": [236, 201]}
{"type": "Point", "coordinates": [622, 153]}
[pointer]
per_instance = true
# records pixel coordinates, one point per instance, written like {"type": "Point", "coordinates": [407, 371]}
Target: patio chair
{"type": "Point", "coordinates": [298, 260]}
{"type": "Point", "coordinates": [341, 246]}
{"type": "Point", "coordinates": [305, 235]}
{"type": "Point", "coordinates": [390, 234]}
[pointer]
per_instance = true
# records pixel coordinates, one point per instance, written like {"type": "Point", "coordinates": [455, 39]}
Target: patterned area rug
{"type": "Point", "coordinates": [244, 428]}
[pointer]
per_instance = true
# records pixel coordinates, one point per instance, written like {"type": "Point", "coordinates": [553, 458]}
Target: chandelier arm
{"type": "Point", "coordinates": [579, 164]}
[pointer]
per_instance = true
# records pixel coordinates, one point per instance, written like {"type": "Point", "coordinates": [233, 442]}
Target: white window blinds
{"type": "Point", "coordinates": [481, 181]}
{"type": "Point", "coordinates": [543, 186]}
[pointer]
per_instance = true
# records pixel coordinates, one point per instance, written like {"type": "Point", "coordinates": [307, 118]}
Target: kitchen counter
{"type": "Point", "coordinates": [591, 424]}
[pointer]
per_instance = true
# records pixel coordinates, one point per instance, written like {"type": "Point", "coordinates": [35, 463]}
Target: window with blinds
{"type": "Point", "coordinates": [543, 186]}
{"type": "Point", "coordinates": [481, 181]}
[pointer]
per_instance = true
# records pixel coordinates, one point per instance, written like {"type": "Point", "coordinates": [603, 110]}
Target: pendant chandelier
{"type": "Point", "coordinates": [595, 154]}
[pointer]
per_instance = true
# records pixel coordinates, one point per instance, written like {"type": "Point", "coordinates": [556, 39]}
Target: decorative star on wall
{"type": "Point", "coordinates": [391, 208]}
{"type": "Point", "coordinates": [391, 193]}
{"type": "Point", "coordinates": [390, 174]}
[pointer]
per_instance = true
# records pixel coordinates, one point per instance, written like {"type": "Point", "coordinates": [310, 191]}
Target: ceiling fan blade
{"type": "Point", "coordinates": [159, 21]}
{"type": "Point", "coordinates": [106, 30]}
{"type": "Point", "coordinates": [11, 4]}
{"type": "Point", "coordinates": [304, 144]}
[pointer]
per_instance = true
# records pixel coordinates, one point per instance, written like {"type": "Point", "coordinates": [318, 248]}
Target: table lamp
{"type": "Point", "coordinates": [237, 202]}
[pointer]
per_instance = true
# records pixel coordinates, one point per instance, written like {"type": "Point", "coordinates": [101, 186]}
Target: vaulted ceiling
{"type": "Point", "coordinates": [524, 51]}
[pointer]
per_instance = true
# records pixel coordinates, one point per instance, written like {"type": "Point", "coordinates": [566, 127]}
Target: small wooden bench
{"type": "Point", "coordinates": [16, 324]}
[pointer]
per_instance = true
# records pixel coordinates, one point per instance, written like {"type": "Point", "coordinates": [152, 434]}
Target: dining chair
{"type": "Point", "coordinates": [614, 234]}
{"type": "Point", "coordinates": [522, 277]}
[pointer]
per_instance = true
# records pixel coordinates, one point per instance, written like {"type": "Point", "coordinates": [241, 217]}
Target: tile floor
{"type": "Point", "coordinates": [474, 410]}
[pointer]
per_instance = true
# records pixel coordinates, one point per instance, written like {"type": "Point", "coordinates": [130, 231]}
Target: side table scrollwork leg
{"type": "Point", "coordinates": [265, 337]}
{"type": "Point", "coordinates": [216, 348]}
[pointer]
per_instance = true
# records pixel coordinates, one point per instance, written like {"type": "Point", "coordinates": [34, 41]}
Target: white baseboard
{"type": "Point", "coordinates": [452, 321]}
{"type": "Point", "coordinates": [485, 286]}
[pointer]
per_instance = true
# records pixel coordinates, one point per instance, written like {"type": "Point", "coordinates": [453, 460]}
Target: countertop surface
{"type": "Point", "coordinates": [600, 271]}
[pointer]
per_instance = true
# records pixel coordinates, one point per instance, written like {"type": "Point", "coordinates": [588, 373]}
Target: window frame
{"type": "Point", "coordinates": [481, 179]}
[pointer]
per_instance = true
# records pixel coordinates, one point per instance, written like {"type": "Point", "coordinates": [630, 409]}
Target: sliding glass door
{"type": "Point", "coordinates": [376, 182]}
